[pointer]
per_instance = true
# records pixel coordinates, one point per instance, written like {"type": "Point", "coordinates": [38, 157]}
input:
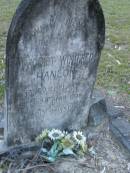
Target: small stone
{"type": "Point", "coordinates": [27, 155]}
{"type": "Point", "coordinates": [98, 110]}
{"type": "Point", "coordinates": [3, 146]}
{"type": "Point", "coordinates": [120, 129]}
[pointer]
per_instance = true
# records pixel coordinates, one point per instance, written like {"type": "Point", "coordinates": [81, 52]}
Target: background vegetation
{"type": "Point", "coordinates": [114, 69]}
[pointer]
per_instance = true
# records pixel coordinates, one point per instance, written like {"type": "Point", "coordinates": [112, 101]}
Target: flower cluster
{"type": "Point", "coordinates": [61, 143]}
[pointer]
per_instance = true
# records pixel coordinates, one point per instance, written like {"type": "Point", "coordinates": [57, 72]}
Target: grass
{"type": "Point", "coordinates": [7, 9]}
{"type": "Point", "coordinates": [114, 68]}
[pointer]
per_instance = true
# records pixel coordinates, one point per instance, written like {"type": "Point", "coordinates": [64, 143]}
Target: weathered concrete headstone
{"type": "Point", "coordinates": [53, 50]}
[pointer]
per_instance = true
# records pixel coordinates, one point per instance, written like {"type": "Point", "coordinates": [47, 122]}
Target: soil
{"type": "Point", "coordinates": [104, 156]}
{"type": "Point", "coordinates": [120, 101]}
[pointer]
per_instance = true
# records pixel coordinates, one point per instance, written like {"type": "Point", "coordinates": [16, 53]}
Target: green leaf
{"type": "Point", "coordinates": [44, 150]}
{"type": "Point", "coordinates": [92, 151]}
{"type": "Point", "coordinates": [54, 150]}
{"type": "Point", "coordinates": [68, 151]}
{"type": "Point", "coordinates": [80, 153]}
{"type": "Point", "coordinates": [84, 148]}
{"type": "Point", "coordinates": [48, 159]}
{"type": "Point", "coordinates": [51, 159]}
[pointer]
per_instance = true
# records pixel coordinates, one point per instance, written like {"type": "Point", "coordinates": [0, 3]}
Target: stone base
{"type": "Point", "coordinates": [98, 109]}
{"type": "Point", "coordinates": [119, 126]}
{"type": "Point", "coordinates": [120, 131]}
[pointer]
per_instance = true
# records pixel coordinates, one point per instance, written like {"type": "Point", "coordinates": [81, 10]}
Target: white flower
{"type": "Point", "coordinates": [43, 135]}
{"type": "Point", "coordinates": [68, 136]}
{"type": "Point", "coordinates": [79, 137]}
{"type": "Point", "coordinates": [65, 133]}
{"type": "Point", "coordinates": [55, 134]}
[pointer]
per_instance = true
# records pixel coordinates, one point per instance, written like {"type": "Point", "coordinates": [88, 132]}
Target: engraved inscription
{"type": "Point", "coordinates": [43, 73]}
{"type": "Point", "coordinates": [67, 66]}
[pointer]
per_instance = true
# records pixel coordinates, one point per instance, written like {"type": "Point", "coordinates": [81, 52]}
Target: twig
{"type": "Point", "coordinates": [37, 166]}
{"type": "Point", "coordinates": [28, 165]}
{"type": "Point", "coordinates": [85, 165]}
{"type": "Point", "coordinates": [9, 168]}
{"type": "Point", "coordinates": [20, 148]}
{"type": "Point", "coordinates": [7, 159]}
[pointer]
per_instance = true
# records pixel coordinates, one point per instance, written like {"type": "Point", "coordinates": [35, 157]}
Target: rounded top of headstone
{"type": "Point", "coordinates": [26, 8]}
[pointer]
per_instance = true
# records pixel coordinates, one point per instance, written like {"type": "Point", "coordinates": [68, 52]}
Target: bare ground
{"type": "Point", "coordinates": [105, 157]}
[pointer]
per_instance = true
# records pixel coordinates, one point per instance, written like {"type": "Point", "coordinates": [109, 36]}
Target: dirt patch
{"type": "Point", "coordinates": [103, 157]}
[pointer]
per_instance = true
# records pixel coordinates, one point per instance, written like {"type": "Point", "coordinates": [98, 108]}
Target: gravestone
{"type": "Point", "coordinates": [52, 55]}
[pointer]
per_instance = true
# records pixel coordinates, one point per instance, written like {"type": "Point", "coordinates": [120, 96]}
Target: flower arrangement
{"type": "Point", "coordinates": [56, 143]}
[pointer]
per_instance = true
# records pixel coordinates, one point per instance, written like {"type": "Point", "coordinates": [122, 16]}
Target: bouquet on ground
{"type": "Point", "coordinates": [56, 143]}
